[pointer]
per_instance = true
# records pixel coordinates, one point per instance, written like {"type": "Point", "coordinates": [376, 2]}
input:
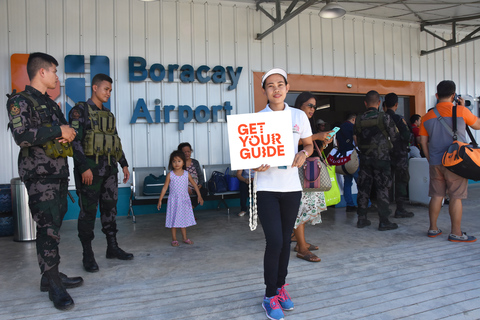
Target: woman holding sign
{"type": "Point", "coordinates": [278, 197]}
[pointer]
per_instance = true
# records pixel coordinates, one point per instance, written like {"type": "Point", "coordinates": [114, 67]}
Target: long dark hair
{"type": "Point", "coordinates": [301, 99]}
{"type": "Point", "coordinates": [179, 154]}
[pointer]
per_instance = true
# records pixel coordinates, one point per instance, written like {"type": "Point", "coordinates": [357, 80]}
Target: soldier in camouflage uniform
{"type": "Point", "coordinates": [374, 133]}
{"type": "Point", "coordinates": [96, 150]}
{"type": "Point", "coordinates": [40, 129]}
{"type": "Point", "coordinates": [399, 156]}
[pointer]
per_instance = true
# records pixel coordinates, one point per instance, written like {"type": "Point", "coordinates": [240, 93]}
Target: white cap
{"type": "Point", "coordinates": [320, 121]}
{"type": "Point", "coordinates": [274, 71]}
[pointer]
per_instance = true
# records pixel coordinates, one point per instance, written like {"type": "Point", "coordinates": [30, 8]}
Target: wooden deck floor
{"type": "Point", "coordinates": [364, 273]}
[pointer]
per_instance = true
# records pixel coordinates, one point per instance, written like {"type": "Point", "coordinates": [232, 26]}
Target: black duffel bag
{"type": "Point", "coordinates": [217, 183]}
{"type": "Point", "coordinates": [152, 185]}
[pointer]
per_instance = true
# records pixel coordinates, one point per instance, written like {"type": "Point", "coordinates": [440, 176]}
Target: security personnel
{"type": "Point", "coordinates": [374, 133]}
{"type": "Point", "coordinates": [399, 155]}
{"type": "Point", "coordinates": [96, 150]}
{"type": "Point", "coordinates": [40, 129]}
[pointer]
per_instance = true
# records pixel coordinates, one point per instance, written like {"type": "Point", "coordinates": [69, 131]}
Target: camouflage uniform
{"type": "Point", "coordinates": [399, 155]}
{"type": "Point", "coordinates": [104, 188]}
{"type": "Point", "coordinates": [45, 178]}
{"type": "Point", "coordinates": [374, 145]}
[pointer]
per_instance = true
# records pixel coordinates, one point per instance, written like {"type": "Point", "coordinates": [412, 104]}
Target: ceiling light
{"type": "Point", "coordinates": [325, 106]}
{"type": "Point", "coordinates": [332, 10]}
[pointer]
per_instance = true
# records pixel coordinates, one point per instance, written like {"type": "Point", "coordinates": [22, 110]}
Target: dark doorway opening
{"type": "Point", "coordinates": [333, 108]}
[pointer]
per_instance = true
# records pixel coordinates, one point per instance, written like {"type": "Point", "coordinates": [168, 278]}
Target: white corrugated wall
{"type": "Point", "coordinates": [213, 33]}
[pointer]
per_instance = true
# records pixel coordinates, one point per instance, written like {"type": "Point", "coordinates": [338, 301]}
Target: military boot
{"type": "Point", "coordinates": [363, 221]}
{"type": "Point", "coordinates": [67, 282]}
{"type": "Point", "coordinates": [402, 213]}
{"type": "Point", "coordinates": [89, 263]}
{"type": "Point", "coordinates": [113, 251]}
{"type": "Point", "coordinates": [57, 292]}
{"type": "Point", "coordinates": [387, 225]}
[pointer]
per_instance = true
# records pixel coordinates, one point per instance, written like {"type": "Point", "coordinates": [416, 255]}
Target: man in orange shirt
{"type": "Point", "coordinates": [435, 140]}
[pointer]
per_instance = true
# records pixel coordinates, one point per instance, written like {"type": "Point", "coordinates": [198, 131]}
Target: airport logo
{"type": "Point", "coordinates": [74, 86]}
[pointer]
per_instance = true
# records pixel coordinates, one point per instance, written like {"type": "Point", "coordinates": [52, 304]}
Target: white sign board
{"type": "Point", "coordinates": [260, 138]}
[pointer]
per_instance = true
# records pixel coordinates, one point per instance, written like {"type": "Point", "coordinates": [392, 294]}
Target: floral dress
{"type": "Point", "coordinates": [193, 173]}
{"type": "Point", "coordinates": [311, 205]}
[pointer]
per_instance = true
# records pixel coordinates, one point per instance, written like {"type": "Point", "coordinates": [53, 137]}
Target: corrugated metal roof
{"type": "Point", "coordinates": [408, 10]}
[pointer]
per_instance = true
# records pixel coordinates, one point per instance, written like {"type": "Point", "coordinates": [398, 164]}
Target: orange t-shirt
{"type": "Point", "coordinates": [439, 138]}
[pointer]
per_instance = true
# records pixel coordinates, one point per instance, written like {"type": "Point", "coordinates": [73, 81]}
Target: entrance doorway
{"type": "Point", "coordinates": [342, 91]}
{"type": "Point", "coordinates": [334, 108]}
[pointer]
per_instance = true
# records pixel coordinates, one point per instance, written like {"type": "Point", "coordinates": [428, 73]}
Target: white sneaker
{"type": "Point", "coordinates": [241, 214]}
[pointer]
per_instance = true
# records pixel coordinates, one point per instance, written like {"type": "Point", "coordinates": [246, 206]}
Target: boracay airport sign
{"type": "Point", "coordinates": [138, 71]}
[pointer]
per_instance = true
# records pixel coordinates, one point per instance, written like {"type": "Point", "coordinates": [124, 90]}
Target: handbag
{"type": "Point", "coordinates": [351, 166]}
{"type": "Point", "coordinates": [314, 175]}
{"type": "Point", "coordinates": [332, 196]}
{"type": "Point", "coordinates": [153, 185]}
{"type": "Point", "coordinates": [461, 158]}
{"type": "Point", "coordinates": [217, 183]}
{"type": "Point", "coordinates": [344, 164]}
{"type": "Point", "coordinates": [233, 184]}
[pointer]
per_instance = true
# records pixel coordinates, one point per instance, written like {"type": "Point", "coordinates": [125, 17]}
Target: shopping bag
{"type": "Point", "coordinates": [332, 197]}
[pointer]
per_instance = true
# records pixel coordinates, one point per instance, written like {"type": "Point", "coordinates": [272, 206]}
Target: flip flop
{"type": "Point", "coordinates": [175, 243]}
{"type": "Point", "coordinates": [311, 247]}
{"type": "Point", "coordinates": [188, 241]}
{"type": "Point", "coordinates": [310, 257]}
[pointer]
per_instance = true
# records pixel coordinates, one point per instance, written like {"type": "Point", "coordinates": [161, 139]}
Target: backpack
{"type": "Point", "coordinates": [367, 123]}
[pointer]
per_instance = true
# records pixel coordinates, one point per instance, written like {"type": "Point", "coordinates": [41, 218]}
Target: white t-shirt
{"type": "Point", "coordinates": [286, 180]}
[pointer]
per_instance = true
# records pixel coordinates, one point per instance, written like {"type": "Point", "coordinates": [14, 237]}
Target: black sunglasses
{"type": "Point", "coordinates": [310, 105]}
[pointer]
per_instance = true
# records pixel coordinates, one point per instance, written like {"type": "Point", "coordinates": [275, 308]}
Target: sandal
{"type": "Point", "coordinates": [175, 243]}
{"type": "Point", "coordinates": [309, 257]}
{"type": "Point", "coordinates": [292, 238]}
{"type": "Point", "coordinates": [311, 247]}
{"type": "Point", "coordinates": [188, 241]}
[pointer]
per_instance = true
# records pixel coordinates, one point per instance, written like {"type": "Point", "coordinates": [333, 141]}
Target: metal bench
{"type": "Point", "coordinates": [136, 190]}
{"type": "Point", "coordinates": [138, 198]}
{"type": "Point", "coordinates": [219, 196]}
